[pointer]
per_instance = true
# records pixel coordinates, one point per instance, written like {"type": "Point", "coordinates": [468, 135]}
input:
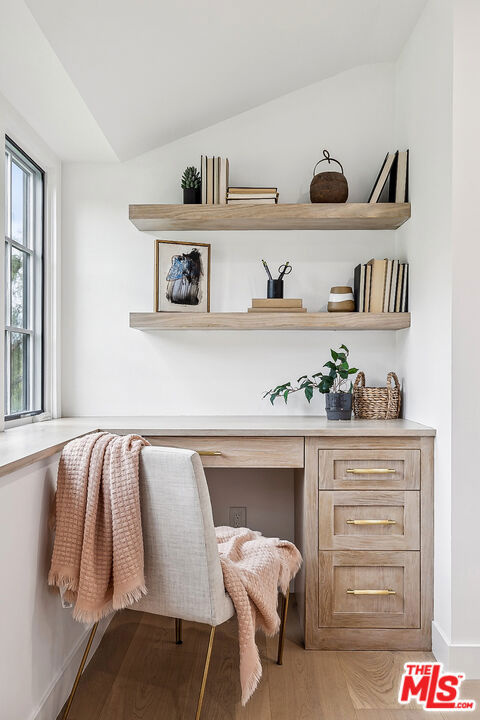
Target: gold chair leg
{"type": "Point", "coordinates": [283, 623]}
{"type": "Point", "coordinates": [178, 631]}
{"type": "Point", "coordinates": [205, 673]}
{"type": "Point", "coordinates": [80, 670]}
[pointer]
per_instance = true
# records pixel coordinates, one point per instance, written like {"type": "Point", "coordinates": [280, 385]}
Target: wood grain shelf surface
{"type": "Point", "coordinates": [316, 216]}
{"type": "Point", "coordinates": [268, 321]}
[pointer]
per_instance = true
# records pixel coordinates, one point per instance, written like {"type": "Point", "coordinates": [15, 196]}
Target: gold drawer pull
{"type": "Point", "coordinates": [372, 592]}
{"type": "Point", "coordinates": [209, 452]}
{"type": "Point", "coordinates": [371, 522]}
{"type": "Point", "coordinates": [370, 471]}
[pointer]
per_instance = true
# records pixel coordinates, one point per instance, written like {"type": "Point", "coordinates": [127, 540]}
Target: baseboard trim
{"type": "Point", "coordinates": [58, 690]}
{"type": "Point", "coordinates": [456, 657]}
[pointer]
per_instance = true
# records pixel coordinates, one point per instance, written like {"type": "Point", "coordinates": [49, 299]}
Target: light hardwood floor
{"type": "Point", "coordinates": [138, 673]}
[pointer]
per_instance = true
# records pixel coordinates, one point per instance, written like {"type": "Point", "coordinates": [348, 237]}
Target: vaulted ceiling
{"type": "Point", "coordinates": [135, 74]}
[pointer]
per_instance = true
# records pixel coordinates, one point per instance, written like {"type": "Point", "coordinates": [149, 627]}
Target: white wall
{"type": "Point", "coordinates": [40, 643]}
{"type": "Point", "coordinates": [108, 264]}
{"type": "Point", "coordinates": [423, 123]}
{"type": "Point", "coordinates": [466, 331]}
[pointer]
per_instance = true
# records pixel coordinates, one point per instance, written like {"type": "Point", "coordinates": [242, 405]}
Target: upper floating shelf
{"type": "Point", "coordinates": [315, 216]}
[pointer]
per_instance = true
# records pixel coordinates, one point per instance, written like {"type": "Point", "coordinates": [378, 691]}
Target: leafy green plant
{"type": "Point", "coordinates": [335, 381]}
{"type": "Point", "coordinates": [191, 178]}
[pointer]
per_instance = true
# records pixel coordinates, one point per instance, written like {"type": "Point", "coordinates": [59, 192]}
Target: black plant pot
{"type": "Point", "coordinates": [338, 406]}
{"type": "Point", "coordinates": [192, 196]}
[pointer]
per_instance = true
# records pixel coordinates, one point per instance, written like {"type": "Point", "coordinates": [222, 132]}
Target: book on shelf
{"type": "Point", "coordinates": [388, 282]}
{"type": "Point", "coordinates": [398, 190]}
{"type": "Point", "coordinates": [394, 170]}
{"type": "Point", "coordinates": [277, 305]}
{"type": "Point", "coordinates": [251, 196]}
{"type": "Point", "coordinates": [215, 172]}
{"type": "Point", "coordinates": [277, 310]}
{"type": "Point", "coordinates": [251, 190]}
{"type": "Point", "coordinates": [259, 201]}
{"type": "Point", "coordinates": [398, 294]}
{"type": "Point", "coordinates": [359, 288]}
{"type": "Point", "coordinates": [277, 302]}
{"type": "Point", "coordinates": [256, 195]}
{"type": "Point", "coordinates": [382, 178]}
{"type": "Point", "coordinates": [368, 285]}
{"type": "Point", "coordinates": [377, 289]}
{"type": "Point", "coordinates": [393, 286]}
{"type": "Point", "coordinates": [381, 286]}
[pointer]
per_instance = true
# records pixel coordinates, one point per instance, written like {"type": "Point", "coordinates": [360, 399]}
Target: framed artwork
{"type": "Point", "coordinates": [182, 276]}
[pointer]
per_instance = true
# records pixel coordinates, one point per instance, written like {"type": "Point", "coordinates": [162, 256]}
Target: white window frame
{"type": "Point", "coordinates": [34, 249]}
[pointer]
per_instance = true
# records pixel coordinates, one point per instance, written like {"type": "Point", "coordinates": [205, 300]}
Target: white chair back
{"type": "Point", "coordinates": [182, 567]}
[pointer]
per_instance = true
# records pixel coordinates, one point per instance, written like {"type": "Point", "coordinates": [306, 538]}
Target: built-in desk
{"type": "Point", "coordinates": [363, 509]}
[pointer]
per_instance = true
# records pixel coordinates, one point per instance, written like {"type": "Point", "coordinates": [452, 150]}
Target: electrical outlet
{"type": "Point", "coordinates": [238, 517]}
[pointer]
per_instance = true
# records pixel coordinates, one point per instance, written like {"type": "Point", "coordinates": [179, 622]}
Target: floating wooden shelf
{"type": "Point", "coordinates": [316, 216]}
{"type": "Point", "coordinates": [268, 321]}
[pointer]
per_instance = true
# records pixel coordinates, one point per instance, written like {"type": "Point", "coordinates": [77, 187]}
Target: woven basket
{"type": "Point", "coordinates": [376, 403]}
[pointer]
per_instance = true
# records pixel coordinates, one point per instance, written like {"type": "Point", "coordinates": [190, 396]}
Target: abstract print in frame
{"type": "Point", "coordinates": [182, 276]}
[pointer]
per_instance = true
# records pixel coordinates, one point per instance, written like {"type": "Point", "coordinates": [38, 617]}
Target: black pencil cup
{"type": "Point", "coordinates": [274, 288]}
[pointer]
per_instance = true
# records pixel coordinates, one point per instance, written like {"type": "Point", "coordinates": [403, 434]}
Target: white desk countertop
{"type": "Point", "coordinates": [24, 445]}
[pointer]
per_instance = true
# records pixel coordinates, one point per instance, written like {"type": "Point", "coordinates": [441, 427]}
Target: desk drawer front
{"type": "Point", "coordinates": [268, 452]}
{"type": "Point", "coordinates": [369, 520]}
{"type": "Point", "coordinates": [369, 589]}
{"type": "Point", "coordinates": [369, 469]}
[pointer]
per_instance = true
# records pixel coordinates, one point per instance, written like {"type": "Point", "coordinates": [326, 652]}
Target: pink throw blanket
{"type": "Point", "coordinates": [97, 559]}
{"type": "Point", "coordinates": [254, 568]}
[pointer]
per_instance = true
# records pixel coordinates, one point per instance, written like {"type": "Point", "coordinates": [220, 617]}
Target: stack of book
{"type": "Point", "coordinates": [381, 286]}
{"type": "Point", "coordinates": [395, 170]}
{"type": "Point", "coordinates": [263, 305]}
{"type": "Point", "coordinates": [254, 195]}
{"type": "Point", "coordinates": [214, 180]}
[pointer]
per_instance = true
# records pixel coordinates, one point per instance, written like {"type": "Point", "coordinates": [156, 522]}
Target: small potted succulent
{"type": "Point", "coordinates": [334, 385]}
{"type": "Point", "coordinates": [191, 184]}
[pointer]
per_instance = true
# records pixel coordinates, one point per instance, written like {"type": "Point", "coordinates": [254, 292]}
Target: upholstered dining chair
{"type": "Point", "coordinates": [182, 564]}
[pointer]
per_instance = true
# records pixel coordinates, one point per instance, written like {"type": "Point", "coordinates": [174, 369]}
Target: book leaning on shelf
{"type": "Point", "coordinates": [381, 286]}
{"type": "Point", "coordinates": [391, 184]}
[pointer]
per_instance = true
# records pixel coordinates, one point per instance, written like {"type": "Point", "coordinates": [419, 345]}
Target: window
{"type": "Point", "coordinates": [24, 182]}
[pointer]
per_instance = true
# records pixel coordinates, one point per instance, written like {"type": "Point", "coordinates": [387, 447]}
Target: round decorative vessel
{"type": "Point", "coordinates": [330, 186]}
{"type": "Point", "coordinates": [341, 299]}
{"type": "Point", "coordinates": [338, 406]}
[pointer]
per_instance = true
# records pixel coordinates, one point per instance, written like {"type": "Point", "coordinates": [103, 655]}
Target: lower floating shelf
{"type": "Point", "coordinates": [268, 321]}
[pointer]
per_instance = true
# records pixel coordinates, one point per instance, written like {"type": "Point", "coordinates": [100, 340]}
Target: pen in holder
{"type": "Point", "coordinates": [275, 288]}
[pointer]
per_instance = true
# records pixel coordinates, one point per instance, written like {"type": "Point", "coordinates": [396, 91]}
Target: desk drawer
{"type": "Point", "coordinates": [369, 589]}
{"type": "Point", "coordinates": [369, 520]}
{"type": "Point", "coordinates": [255, 452]}
{"type": "Point", "coordinates": [369, 469]}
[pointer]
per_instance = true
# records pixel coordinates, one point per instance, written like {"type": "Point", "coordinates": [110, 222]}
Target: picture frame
{"type": "Point", "coordinates": [182, 276]}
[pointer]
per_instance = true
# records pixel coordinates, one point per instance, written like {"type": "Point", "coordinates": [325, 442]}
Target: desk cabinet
{"type": "Point", "coordinates": [367, 538]}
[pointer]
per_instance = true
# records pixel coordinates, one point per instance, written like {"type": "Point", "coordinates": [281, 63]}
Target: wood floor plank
{"type": "Point", "coordinates": [373, 677]}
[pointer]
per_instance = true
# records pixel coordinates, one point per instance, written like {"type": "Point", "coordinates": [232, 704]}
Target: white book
{"type": "Point", "coordinates": [388, 281]}
{"type": "Point", "coordinates": [405, 289]}
{"type": "Point", "coordinates": [382, 178]}
{"type": "Point", "coordinates": [216, 178]}
{"type": "Point", "coordinates": [255, 196]}
{"type": "Point", "coordinates": [401, 179]}
{"type": "Point", "coordinates": [203, 170]}
{"type": "Point", "coordinates": [223, 181]}
{"type": "Point", "coordinates": [393, 287]}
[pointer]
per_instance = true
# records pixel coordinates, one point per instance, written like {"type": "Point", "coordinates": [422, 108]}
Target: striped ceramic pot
{"type": "Point", "coordinates": [341, 299]}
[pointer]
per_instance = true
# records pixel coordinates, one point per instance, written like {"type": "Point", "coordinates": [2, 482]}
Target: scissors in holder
{"type": "Point", "coordinates": [284, 269]}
